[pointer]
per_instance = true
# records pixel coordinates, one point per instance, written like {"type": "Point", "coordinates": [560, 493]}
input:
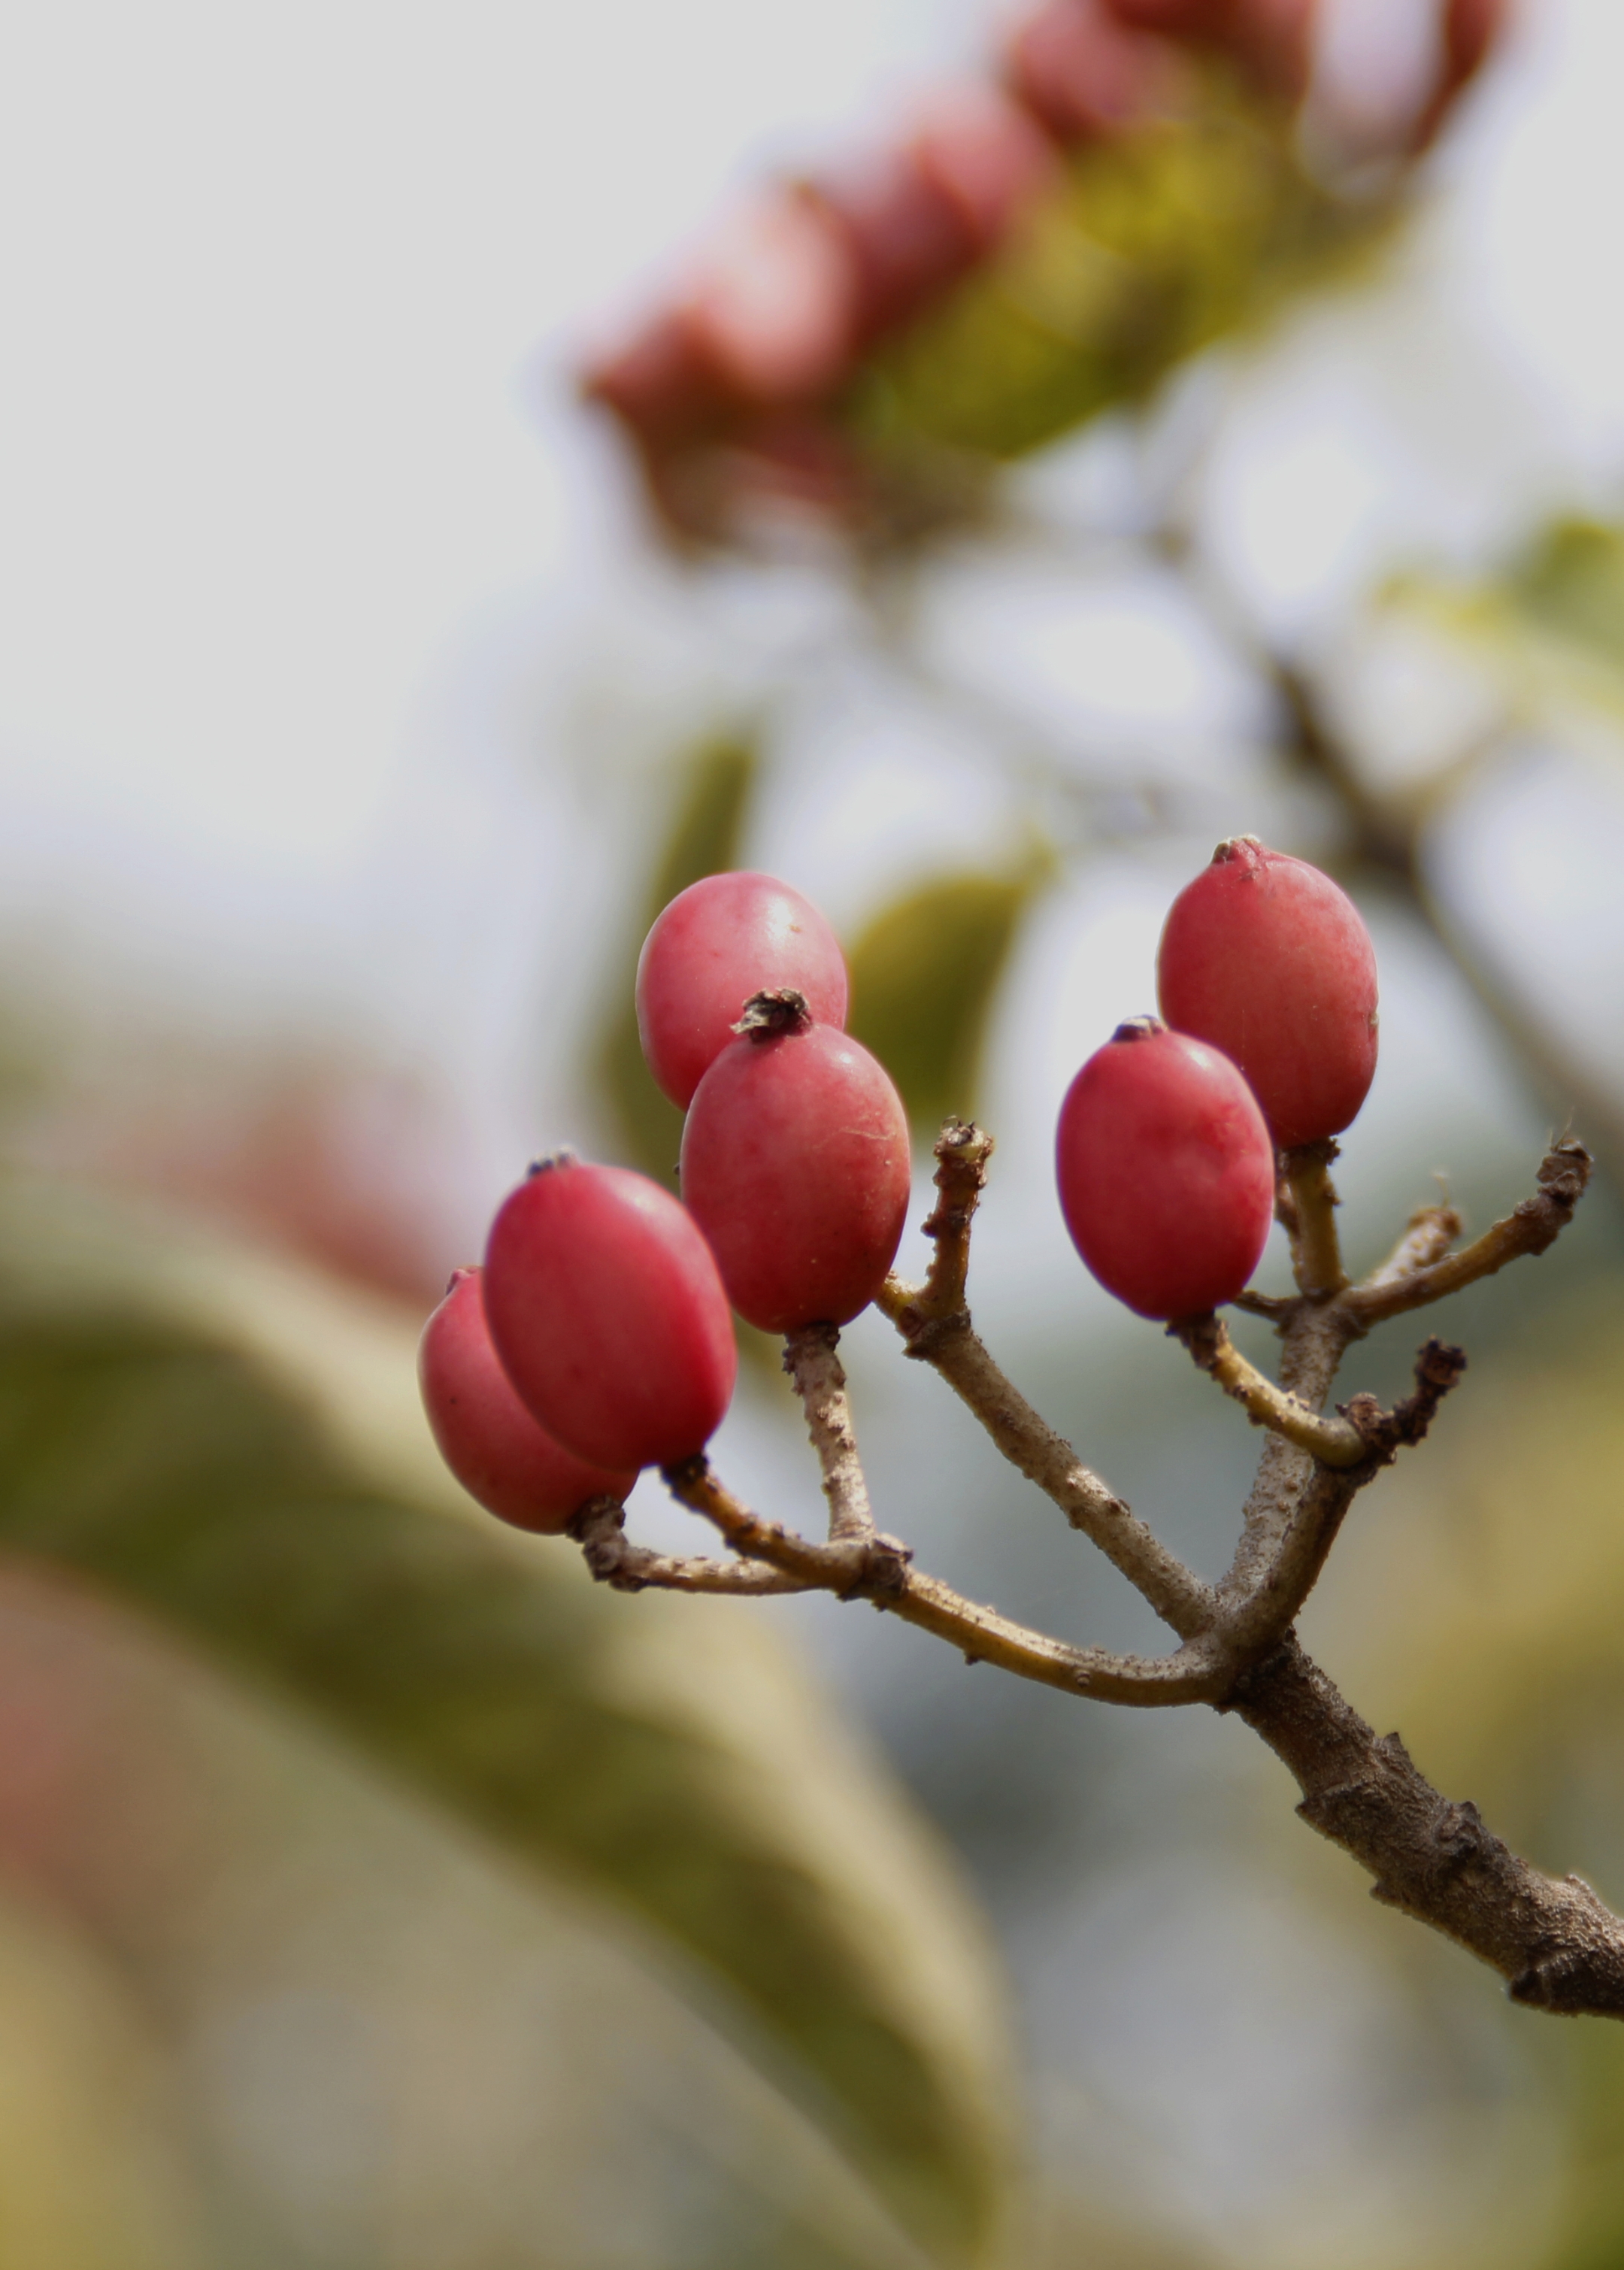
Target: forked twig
{"type": "Point", "coordinates": [599, 1529]}
{"type": "Point", "coordinates": [1531, 1228]}
{"type": "Point", "coordinates": [1333, 1441]}
{"type": "Point", "coordinates": [880, 1571]}
{"type": "Point", "coordinates": [1556, 1943]}
{"type": "Point", "coordinates": [934, 1321]}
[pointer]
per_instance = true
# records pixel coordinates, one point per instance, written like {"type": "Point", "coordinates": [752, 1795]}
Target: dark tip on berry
{"type": "Point", "coordinates": [1140, 1029]}
{"type": "Point", "coordinates": [565, 1157]}
{"type": "Point", "coordinates": [766, 1014]}
{"type": "Point", "coordinates": [1237, 847]}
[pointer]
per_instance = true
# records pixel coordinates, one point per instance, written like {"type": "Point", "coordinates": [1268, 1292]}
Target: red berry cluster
{"type": "Point", "coordinates": [1166, 1149]}
{"type": "Point", "coordinates": [597, 1340]}
{"type": "Point", "coordinates": [785, 301]}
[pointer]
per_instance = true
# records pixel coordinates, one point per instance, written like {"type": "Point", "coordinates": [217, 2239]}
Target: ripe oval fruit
{"type": "Point", "coordinates": [497, 1450]}
{"type": "Point", "coordinates": [608, 1315]}
{"type": "Point", "coordinates": [715, 944]}
{"type": "Point", "coordinates": [794, 1163]}
{"type": "Point", "coordinates": [1166, 1171]}
{"type": "Point", "coordinates": [1265, 958]}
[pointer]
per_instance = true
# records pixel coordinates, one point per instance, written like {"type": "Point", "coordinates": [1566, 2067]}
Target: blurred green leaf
{"type": "Point", "coordinates": [1165, 240]}
{"type": "Point", "coordinates": [237, 1448]}
{"type": "Point", "coordinates": [1549, 628]}
{"type": "Point", "coordinates": [924, 973]}
{"type": "Point", "coordinates": [1571, 582]}
{"type": "Point", "coordinates": [715, 780]}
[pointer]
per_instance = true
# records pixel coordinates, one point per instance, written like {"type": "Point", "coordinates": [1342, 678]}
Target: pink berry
{"type": "Point", "coordinates": [499, 1453]}
{"type": "Point", "coordinates": [658, 384]}
{"type": "Point", "coordinates": [719, 942]}
{"type": "Point", "coordinates": [794, 1163]}
{"type": "Point", "coordinates": [1166, 1171]}
{"type": "Point", "coordinates": [607, 1312]}
{"type": "Point", "coordinates": [1083, 75]}
{"type": "Point", "coordinates": [911, 241]}
{"type": "Point", "coordinates": [773, 305]}
{"type": "Point", "coordinates": [986, 155]}
{"type": "Point", "coordinates": [1265, 958]}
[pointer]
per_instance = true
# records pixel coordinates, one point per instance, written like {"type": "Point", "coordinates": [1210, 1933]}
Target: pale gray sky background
{"type": "Point", "coordinates": [290, 476]}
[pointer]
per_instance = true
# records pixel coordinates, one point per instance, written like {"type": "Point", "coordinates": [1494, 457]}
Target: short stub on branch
{"type": "Point", "coordinates": [1438, 1367]}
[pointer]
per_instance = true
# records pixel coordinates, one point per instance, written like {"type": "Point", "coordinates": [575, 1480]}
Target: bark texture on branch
{"type": "Point", "coordinates": [1558, 1946]}
{"type": "Point", "coordinates": [1556, 1942]}
{"type": "Point", "coordinates": [1531, 1228]}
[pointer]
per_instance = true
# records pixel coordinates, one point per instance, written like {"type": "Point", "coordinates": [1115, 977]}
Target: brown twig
{"type": "Point", "coordinates": [1333, 1441]}
{"type": "Point", "coordinates": [1429, 1234]}
{"type": "Point", "coordinates": [599, 1529]}
{"type": "Point", "coordinates": [1362, 1430]}
{"type": "Point", "coordinates": [1307, 1205]}
{"type": "Point", "coordinates": [962, 1152]}
{"type": "Point", "coordinates": [1558, 1945]}
{"type": "Point", "coordinates": [1315, 1337]}
{"type": "Point", "coordinates": [1026, 1440]}
{"type": "Point", "coordinates": [936, 1329]}
{"type": "Point", "coordinates": [1256, 1613]}
{"type": "Point", "coordinates": [1276, 1308]}
{"type": "Point", "coordinates": [879, 1570]}
{"type": "Point", "coordinates": [1552, 1939]}
{"type": "Point", "coordinates": [1531, 1228]}
{"type": "Point", "coordinates": [820, 1382]}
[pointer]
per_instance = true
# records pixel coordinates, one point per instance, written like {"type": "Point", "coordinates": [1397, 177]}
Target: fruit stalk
{"type": "Point", "coordinates": [1306, 1204]}
{"type": "Point", "coordinates": [820, 1379]}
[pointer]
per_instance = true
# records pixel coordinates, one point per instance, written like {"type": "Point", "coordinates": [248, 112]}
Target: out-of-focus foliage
{"type": "Point", "coordinates": [1570, 581]}
{"type": "Point", "coordinates": [1163, 242]}
{"type": "Point", "coordinates": [925, 977]}
{"type": "Point", "coordinates": [1122, 188]}
{"type": "Point", "coordinates": [1549, 628]}
{"type": "Point", "coordinates": [1493, 1644]}
{"type": "Point", "coordinates": [380, 2042]}
{"type": "Point", "coordinates": [712, 789]}
{"type": "Point", "coordinates": [233, 1449]}
{"type": "Point", "coordinates": [89, 2179]}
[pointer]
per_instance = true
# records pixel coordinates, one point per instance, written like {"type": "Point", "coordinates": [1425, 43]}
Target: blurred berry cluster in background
{"type": "Point", "coordinates": [1129, 179]}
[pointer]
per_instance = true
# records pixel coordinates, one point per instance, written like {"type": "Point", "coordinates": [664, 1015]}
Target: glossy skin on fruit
{"type": "Point", "coordinates": [1265, 958]}
{"type": "Point", "coordinates": [717, 943]}
{"type": "Point", "coordinates": [1165, 1172]}
{"type": "Point", "coordinates": [608, 1315]}
{"type": "Point", "coordinates": [794, 1163]}
{"type": "Point", "coordinates": [501, 1455]}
